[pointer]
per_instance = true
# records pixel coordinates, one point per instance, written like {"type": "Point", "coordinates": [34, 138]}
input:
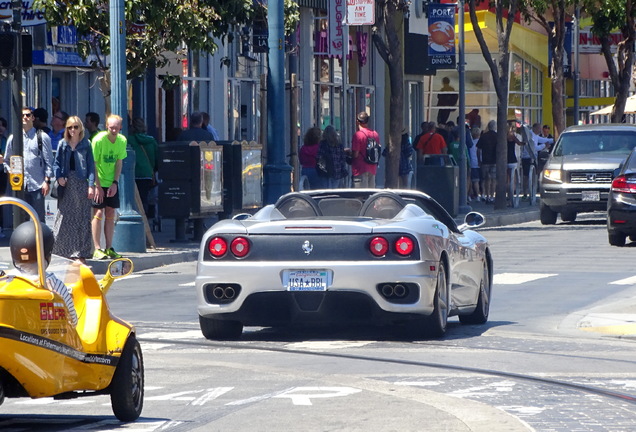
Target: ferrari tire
{"type": "Point", "coordinates": [215, 329]}
{"type": "Point", "coordinates": [127, 387]}
{"type": "Point", "coordinates": [547, 215]}
{"type": "Point", "coordinates": [436, 323]}
{"type": "Point", "coordinates": [481, 312]}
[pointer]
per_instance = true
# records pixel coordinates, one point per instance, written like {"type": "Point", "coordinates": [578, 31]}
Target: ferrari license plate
{"type": "Point", "coordinates": [590, 196]}
{"type": "Point", "coordinates": [305, 280]}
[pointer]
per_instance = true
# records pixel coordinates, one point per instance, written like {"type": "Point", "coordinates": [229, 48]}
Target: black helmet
{"type": "Point", "coordinates": [23, 244]}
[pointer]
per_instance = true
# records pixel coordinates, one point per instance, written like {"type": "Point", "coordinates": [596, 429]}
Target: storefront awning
{"type": "Point", "coordinates": [522, 39]}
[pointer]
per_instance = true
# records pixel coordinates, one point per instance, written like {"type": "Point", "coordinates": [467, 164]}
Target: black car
{"type": "Point", "coordinates": [621, 203]}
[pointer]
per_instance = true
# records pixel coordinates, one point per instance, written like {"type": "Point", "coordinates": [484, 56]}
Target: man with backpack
{"type": "Point", "coordinates": [38, 162]}
{"type": "Point", "coordinates": [365, 153]}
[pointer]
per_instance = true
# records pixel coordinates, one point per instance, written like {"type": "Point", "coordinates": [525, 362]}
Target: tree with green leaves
{"type": "Point", "coordinates": [499, 69]}
{"type": "Point", "coordinates": [607, 16]}
{"type": "Point", "coordinates": [552, 16]}
{"type": "Point", "coordinates": [156, 30]}
{"type": "Point", "coordinates": [387, 38]}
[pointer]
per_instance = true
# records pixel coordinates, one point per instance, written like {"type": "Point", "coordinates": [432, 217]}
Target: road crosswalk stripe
{"type": "Point", "coordinates": [519, 278]}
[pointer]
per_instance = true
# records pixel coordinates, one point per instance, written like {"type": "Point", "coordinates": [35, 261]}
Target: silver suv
{"type": "Point", "coordinates": [578, 174]}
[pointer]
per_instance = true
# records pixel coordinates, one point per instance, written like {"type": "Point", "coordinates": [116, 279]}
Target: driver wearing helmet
{"type": "Point", "coordinates": [24, 253]}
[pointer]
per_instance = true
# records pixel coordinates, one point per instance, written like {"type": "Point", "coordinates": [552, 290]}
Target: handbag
{"type": "Point", "coordinates": [57, 190]}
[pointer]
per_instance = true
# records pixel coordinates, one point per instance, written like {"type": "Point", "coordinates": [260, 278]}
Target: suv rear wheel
{"type": "Point", "coordinates": [616, 238]}
{"type": "Point", "coordinates": [568, 215]}
{"type": "Point", "coordinates": [547, 215]}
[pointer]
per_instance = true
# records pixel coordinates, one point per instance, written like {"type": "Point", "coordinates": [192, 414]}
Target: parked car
{"type": "Point", "coordinates": [578, 174]}
{"type": "Point", "coordinates": [621, 204]}
{"type": "Point", "coordinates": [344, 255]}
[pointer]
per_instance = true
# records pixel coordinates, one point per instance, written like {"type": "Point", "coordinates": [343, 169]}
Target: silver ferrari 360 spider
{"type": "Point", "coordinates": [344, 255]}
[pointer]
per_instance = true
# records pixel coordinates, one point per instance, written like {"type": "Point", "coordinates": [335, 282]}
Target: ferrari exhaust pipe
{"type": "Point", "coordinates": [387, 291]}
{"type": "Point", "coordinates": [399, 290]}
{"type": "Point", "coordinates": [224, 293]}
{"type": "Point", "coordinates": [229, 293]}
{"type": "Point", "coordinates": [218, 293]}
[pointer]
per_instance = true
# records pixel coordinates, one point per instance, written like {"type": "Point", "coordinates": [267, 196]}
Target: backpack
{"type": "Point", "coordinates": [324, 164]}
{"type": "Point", "coordinates": [373, 152]}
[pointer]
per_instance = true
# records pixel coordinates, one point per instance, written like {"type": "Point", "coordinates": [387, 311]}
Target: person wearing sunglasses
{"type": "Point", "coordinates": [38, 162]}
{"type": "Point", "coordinates": [74, 170]}
{"type": "Point", "coordinates": [57, 123]}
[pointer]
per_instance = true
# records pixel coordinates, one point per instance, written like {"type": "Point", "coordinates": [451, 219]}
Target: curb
{"type": "Point", "coordinates": [148, 260]}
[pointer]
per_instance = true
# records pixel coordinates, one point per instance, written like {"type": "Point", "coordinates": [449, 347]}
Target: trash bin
{"type": "Point", "coordinates": [438, 176]}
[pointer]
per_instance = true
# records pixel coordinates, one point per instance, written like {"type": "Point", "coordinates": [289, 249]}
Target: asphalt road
{"type": "Point", "coordinates": [531, 367]}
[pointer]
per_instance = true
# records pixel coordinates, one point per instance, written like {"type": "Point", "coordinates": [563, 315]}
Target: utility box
{"type": "Point", "coordinates": [438, 176]}
{"type": "Point", "coordinates": [192, 179]}
{"type": "Point", "coordinates": [242, 176]}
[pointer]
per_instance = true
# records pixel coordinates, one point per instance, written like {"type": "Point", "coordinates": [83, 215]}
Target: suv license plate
{"type": "Point", "coordinates": [590, 196]}
{"type": "Point", "coordinates": [306, 280]}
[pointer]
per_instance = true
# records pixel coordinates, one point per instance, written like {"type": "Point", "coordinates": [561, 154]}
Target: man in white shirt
{"type": "Point", "coordinates": [528, 158]}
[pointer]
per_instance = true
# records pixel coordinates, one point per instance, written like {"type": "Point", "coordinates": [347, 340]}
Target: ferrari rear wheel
{"type": "Point", "coordinates": [481, 312]}
{"type": "Point", "coordinates": [215, 329]}
{"type": "Point", "coordinates": [127, 387]}
{"type": "Point", "coordinates": [436, 323]}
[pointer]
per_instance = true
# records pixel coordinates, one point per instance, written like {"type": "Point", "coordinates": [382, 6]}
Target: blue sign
{"type": "Point", "coordinates": [441, 40]}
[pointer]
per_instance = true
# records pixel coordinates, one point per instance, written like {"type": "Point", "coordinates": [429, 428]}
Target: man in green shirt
{"type": "Point", "coordinates": [109, 151]}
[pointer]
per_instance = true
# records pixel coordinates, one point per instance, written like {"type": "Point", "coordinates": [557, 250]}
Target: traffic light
{"type": "Point", "coordinates": [8, 44]}
{"type": "Point", "coordinates": [27, 50]}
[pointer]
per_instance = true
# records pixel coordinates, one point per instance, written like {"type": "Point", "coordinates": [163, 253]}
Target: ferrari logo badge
{"type": "Point", "coordinates": [307, 247]}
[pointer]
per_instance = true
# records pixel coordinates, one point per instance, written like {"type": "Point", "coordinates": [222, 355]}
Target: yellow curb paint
{"type": "Point", "coordinates": [618, 330]}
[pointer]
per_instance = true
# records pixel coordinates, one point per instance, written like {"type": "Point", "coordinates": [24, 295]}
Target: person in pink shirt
{"type": "Point", "coordinates": [363, 173]}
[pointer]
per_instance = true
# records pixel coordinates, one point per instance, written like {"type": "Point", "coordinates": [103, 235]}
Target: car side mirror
{"type": "Point", "coordinates": [474, 220]}
{"type": "Point", "coordinates": [120, 267]}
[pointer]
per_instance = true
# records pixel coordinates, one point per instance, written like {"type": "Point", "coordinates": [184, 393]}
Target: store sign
{"type": "Point", "coordinates": [360, 12]}
{"type": "Point", "coordinates": [441, 40]}
{"type": "Point", "coordinates": [30, 17]}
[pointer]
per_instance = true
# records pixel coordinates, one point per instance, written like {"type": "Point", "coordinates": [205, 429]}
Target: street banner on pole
{"type": "Point", "coordinates": [441, 42]}
{"type": "Point", "coordinates": [336, 18]}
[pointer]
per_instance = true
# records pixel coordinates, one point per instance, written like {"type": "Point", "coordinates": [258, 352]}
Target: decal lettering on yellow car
{"type": "Point", "coordinates": [50, 311]}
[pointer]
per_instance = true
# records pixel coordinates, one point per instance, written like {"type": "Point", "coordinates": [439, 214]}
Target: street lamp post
{"type": "Point", "coordinates": [129, 234]}
{"type": "Point", "coordinates": [277, 173]}
{"type": "Point", "coordinates": [461, 69]}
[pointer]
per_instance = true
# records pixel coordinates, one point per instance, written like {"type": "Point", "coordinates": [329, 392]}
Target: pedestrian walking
{"type": "Point", "coordinates": [364, 166]}
{"type": "Point", "coordinates": [109, 151]}
{"type": "Point", "coordinates": [308, 158]}
{"type": "Point", "coordinates": [37, 161]}
{"type": "Point", "coordinates": [146, 162]}
{"type": "Point", "coordinates": [487, 149]}
{"type": "Point", "coordinates": [332, 152]}
{"type": "Point", "coordinates": [74, 170]}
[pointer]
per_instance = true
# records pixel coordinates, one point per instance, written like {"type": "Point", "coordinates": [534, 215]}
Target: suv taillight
{"type": "Point", "coordinates": [624, 184]}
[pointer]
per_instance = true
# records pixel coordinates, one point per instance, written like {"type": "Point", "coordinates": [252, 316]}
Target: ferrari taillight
{"type": "Point", "coordinates": [379, 246]}
{"type": "Point", "coordinates": [217, 247]}
{"type": "Point", "coordinates": [624, 184]}
{"type": "Point", "coordinates": [404, 246]}
{"type": "Point", "coordinates": [240, 247]}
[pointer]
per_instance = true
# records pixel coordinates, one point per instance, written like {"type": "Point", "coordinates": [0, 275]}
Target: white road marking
{"type": "Point", "coordinates": [325, 345]}
{"type": "Point", "coordinates": [491, 389]}
{"type": "Point", "coordinates": [626, 281]}
{"type": "Point", "coordinates": [212, 394]}
{"type": "Point", "coordinates": [187, 284]}
{"type": "Point", "coordinates": [419, 383]}
{"type": "Point", "coordinates": [190, 334]}
{"type": "Point", "coordinates": [522, 410]}
{"type": "Point", "coordinates": [519, 278]}
{"type": "Point", "coordinates": [309, 393]}
{"type": "Point", "coordinates": [179, 396]}
{"type": "Point", "coordinates": [257, 398]}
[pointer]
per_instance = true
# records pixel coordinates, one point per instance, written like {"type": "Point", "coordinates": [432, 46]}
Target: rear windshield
{"type": "Point", "coordinates": [573, 143]}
